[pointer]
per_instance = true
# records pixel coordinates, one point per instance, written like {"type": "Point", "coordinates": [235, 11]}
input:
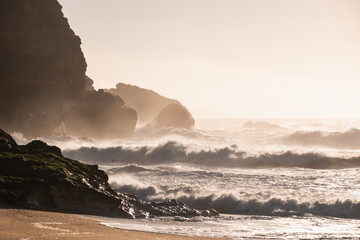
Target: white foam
{"type": "Point", "coordinates": [47, 225]}
{"type": "Point", "coordinates": [243, 227]}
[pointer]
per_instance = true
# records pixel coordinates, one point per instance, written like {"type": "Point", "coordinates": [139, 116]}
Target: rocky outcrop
{"type": "Point", "coordinates": [37, 176]}
{"type": "Point", "coordinates": [42, 76]}
{"type": "Point", "coordinates": [147, 103]}
{"type": "Point", "coordinates": [175, 115]}
{"type": "Point", "coordinates": [97, 114]}
{"type": "Point", "coordinates": [38, 47]}
{"type": "Point", "coordinates": [89, 84]}
{"type": "Point", "coordinates": [40, 61]}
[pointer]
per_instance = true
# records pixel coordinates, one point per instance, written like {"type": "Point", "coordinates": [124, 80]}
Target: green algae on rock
{"type": "Point", "coordinates": [38, 176]}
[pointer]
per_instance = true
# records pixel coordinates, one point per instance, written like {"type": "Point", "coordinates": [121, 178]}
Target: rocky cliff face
{"type": "Point", "coordinates": [42, 76]}
{"type": "Point", "coordinates": [149, 104]}
{"type": "Point", "coordinates": [97, 114]}
{"type": "Point", "coordinates": [38, 48]}
{"type": "Point", "coordinates": [37, 176]}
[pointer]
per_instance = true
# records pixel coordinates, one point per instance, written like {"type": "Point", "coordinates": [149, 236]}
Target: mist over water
{"type": "Point", "coordinates": [300, 173]}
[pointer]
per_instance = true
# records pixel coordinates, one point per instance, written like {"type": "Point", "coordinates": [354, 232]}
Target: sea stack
{"type": "Point", "coordinates": [42, 77]}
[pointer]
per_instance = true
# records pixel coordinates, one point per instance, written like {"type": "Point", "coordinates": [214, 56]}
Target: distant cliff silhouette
{"type": "Point", "coordinates": [150, 104]}
{"type": "Point", "coordinates": [43, 86]}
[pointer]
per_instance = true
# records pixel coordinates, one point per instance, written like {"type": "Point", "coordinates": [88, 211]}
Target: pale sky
{"type": "Point", "coordinates": [245, 58]}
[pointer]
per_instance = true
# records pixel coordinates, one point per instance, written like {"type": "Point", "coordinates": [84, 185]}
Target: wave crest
{"type": "Point", "coordinates": [274, 207]}
{"type": "Point", "coordinates": [349, 139]}
{"type": "Point", "coordinates": [230, 204]}
{"type": "Point", "coordinates": [173, 152]}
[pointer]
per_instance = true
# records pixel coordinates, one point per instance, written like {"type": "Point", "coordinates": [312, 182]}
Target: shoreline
{"type": "Point", "coordinates": [23, 224]}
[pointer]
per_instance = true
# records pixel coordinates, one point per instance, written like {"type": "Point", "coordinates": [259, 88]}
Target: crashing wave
{"type": "Point", "coordinates": [349, 139]}
{"type": "Point", "coordinates": [274, 207]}
{"type": "Point", "coordinates": [230, 204]}
{"type": "Point", "coordinates": [173, 152]}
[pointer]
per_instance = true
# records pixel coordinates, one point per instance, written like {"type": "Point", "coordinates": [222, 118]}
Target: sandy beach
{"type": "Point", "coordinates": [22, 224]}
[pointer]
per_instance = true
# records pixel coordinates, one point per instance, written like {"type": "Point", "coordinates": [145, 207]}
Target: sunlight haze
{"type": "Point", "coordinates": [261, 59]}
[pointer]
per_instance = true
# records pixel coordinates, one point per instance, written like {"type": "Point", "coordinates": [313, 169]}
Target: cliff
{"type": "Point", "coordinates": [38, 48]}
{"type": "Point", "coordinates": [150, 104]}
{"type": "Point", "coordinates": [42, 77]}
{"type": "Point", "coordinates": [38, 176]}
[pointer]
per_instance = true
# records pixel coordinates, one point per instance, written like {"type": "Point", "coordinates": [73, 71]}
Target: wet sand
{"type": "Point", "coordinates": [21, 224]}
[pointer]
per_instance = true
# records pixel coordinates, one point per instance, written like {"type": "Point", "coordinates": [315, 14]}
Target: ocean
{"type": "Point", "coordinates": [268, 178]}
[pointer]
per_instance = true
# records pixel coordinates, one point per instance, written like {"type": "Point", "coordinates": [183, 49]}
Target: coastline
{"type": "Point", "coordinates": [23, 224]}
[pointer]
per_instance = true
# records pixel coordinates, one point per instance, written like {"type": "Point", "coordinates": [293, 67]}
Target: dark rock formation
{"type": "Point", "coordinates": [97, 114]}
{"type": "Point", "coordinates": [42, 76]}
{"type": "Point", "coordinates": [175, 115]}
{"type": "Point", "coordinates": [38, 47]}
{"type": "Point", "coordinates": [37, 176]}
{"type": "Point", "coordinates": [147, 103]}
{"type": "Point", "coordinates": [89, 84]}
{"type": "Point", "coordinates": [40, 60]}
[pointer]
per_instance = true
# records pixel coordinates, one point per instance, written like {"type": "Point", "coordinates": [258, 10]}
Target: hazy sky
{"type": "Point", "coordinates": [246, 58]}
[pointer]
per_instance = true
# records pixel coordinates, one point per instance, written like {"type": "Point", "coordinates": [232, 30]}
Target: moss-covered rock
{"type": "Point", "coordinates": [38, 176]}
{"type": "Point", "coordinates": [7, 143]}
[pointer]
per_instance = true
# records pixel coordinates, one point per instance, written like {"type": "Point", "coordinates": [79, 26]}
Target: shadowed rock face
{"type": "Point", "coordinates": [175, 115]}
{"type": "Point", "coordinates": [38, 47]}
{"type": "Point", "coordinates": [42, 76]}
{"type": "Point", "coordinates": [97, 114]}
{"type": "Point", "coordinates": [37, 176]}
{"type": "Point", "coordinates": [149, 104]}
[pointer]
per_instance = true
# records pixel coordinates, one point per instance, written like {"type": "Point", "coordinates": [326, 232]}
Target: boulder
{"type": "Point", "coordinates": [175, 115]}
